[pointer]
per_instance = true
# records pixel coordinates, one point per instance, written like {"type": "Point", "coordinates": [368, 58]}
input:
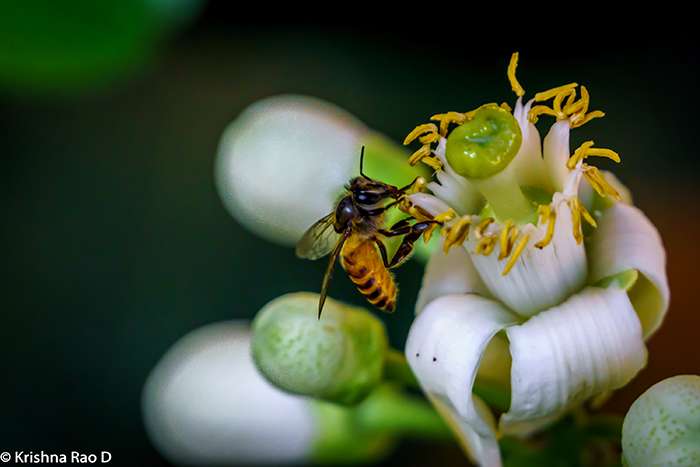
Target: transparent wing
{"type": "Point", "coordinates": [319, 239]}
{"type": "Point", "coordinates": [329, 271]}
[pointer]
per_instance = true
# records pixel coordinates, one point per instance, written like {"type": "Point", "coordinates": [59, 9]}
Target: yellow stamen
{"type": "Point", "coordinates": [516, 254]}
{"type": "Point", "coordinates": [505, 106]}
{"type": "Point", "coordinates": [504, 239]}
{"type": "Point", "coordinates": [587, 216]}
{"type": "Point", "coordinates": [548, 94]}
{"type": "Point", "coordinates": [479, 231]}
{"type": "Point", "coordinates": [556, 104]}
{"type": "Point", "coordinates": [579, 154]}
{"type": "Point", "coordinates": [514, 84]}
{"type": "Point", "coordinates": [447, 119]}
{"type": "Point", "coordinates": [599, 184]}
{"type": "Point", "coordinates": [587, 118]}
{"type": "Point", "coordinates": [485, 245]}
{"type": "Point", "coordinates": [457, 233]}
{"type": "Point", "coordinates": [538, 110]}
{"type": "Point", "coordinates": [574, 206]}
{"type": "Point", "coordinates": [603, 152]}
{"type": "Point", "coordinates": [419, 131]}
{"type": "Point", "coordinates": [548, 215]}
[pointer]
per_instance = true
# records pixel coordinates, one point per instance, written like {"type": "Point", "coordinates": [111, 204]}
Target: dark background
{"type": "Point", "coordinates": [116, 243]}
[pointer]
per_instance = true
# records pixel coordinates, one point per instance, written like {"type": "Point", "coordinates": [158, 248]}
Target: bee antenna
{"type": "Point", "coordinates": [362, 161]}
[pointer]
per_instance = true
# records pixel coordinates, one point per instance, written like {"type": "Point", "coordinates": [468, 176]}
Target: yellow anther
{"type": "Point", "coordinates": [429, 138]}
{"type": "Point", "coordinates": [538, 110]}
{"type": "Point", "coordinates": [599, 184]}
{"type": "Point", "coordinates": [505, 106]}
{"type": "Point", "coordinates": [550, 93]}
{"type": "Point", "coordinates": [419, 131]}
{"type": "Point", "coordinates": [580, 106]}
{"type": "Point", "coordinates": [447, 119]}
{"type": "Point", "coordinates": [516, 254]}
{"type": "Point", "coordinates": [485, 245]}
{"type": "Point", "coordinates": [445, 216]}
{"type": "Point", "coordinates": [570, 100]}
{"type": "Point", "coordinates": [575, 123]}
{"type": "Point", "coordinates": [421, 153]}
{"type": "Point", "coordinates": [504, 239]}
{"type": "Point", "coordinates": [575, 208]}
{"type": "Point", "coordinates": [579, 154]}
{"type": "Point", "coordinates": [559, 98]}
{"type": "Point", "coordinates": [587, 216]}
{"type": "Point", "coordinates": [548, 216]}
{"type": "Point", "coordinates": [479, 231]}
{"type": "Point", "coordinates": [457, 233]}
{"type": "Point", "coordinates": [514, 84]}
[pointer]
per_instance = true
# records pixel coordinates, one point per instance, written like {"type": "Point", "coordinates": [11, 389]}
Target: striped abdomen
{"type": "Point", "coordinates": [364, 265]}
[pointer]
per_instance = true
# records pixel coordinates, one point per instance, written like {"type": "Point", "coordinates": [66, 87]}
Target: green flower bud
{"type": "Point", "coordinates": [662, 427]}
{"type": "Point", "coordinates": [484, 145]}
{"type": "Point", "coordinates": [339, 358]}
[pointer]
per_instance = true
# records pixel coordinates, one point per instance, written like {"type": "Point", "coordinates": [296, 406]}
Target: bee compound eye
{"type": "Point", "coordinates": [367, 197]}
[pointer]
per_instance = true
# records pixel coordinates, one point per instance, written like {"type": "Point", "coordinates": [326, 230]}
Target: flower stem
{"type": "Point", "coordinates": [396, 369]}
{"type": "Point", "coordinates": [388, 411]}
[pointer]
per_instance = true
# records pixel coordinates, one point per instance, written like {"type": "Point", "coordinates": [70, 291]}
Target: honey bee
{"type": "Point", "coordinates": [355, 231]}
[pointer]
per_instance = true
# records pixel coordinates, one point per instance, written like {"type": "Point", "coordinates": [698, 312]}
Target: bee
{"type": "Point", "coordinates": [355, 232]}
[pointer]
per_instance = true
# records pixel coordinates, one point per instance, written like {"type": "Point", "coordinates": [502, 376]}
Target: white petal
{"type": "Point", "coordinates": [625, 239]}
{"type": "Point", "coordinates": [589, 344]}
{"type": "Point", "coordinates": [556, 153]}
{"type": "Point", "coordinates": [205, 404]}
{"type": "Point", "coordinates": [528, 163]}
{"type": "Point", "coordinates": [452, 188]}
{"type": "Point", "coordinates": [446, 274]}
{"type": "Point", "coordinates": [274, 151]}
{"type": "Point", "coordinates": [431, 204]}
{"type": "Point", "coordinates": [444, 347]}
{"type": "Point", "coordinates": [540, 278]}
{"type": "Point", "coordinates": [481, 450]}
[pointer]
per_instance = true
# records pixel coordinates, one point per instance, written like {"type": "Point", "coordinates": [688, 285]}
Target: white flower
{"type": "Point", "coordinates": [527, 295]}
{"type": "Point", "coordinates": [205, 404]}
{"type": "Point", "coordinates": [283, 162]}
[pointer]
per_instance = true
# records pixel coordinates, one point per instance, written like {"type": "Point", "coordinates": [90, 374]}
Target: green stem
{"type": "Point", "coordinates": [396, 370]}
{"type": "Point", "coordinates": [389, 411]}
{"type": "Point", "coordinates": [505, 197]}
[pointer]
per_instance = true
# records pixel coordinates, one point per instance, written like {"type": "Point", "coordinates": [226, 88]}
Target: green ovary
{"type": "Point", "coordinates": [484, 145]}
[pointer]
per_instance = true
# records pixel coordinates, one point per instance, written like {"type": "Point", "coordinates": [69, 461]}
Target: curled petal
{"type": "Point", "coordinates": [444, 347]}
{"type": "Point", "coordinates": [446, 274]}
{"type": "Point", "coordinates": [528, 162]}
{"type": "Point", "coordinates": [589, 344]}
{"type": "Point", "coordinates": [556, 154]}
{"type": "Point", "coordinates": [541, 277]}
{"type": "Point", "coordinates": [625, 239]}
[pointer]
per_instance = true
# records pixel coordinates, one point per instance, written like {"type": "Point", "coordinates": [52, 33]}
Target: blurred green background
{"type": "Point", "coordinates": [117, 243]}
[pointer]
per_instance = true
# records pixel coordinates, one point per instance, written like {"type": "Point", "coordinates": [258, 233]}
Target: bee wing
{"type": "Point", "coordinates": [329, 271]}
{"type": "Point", "coordinates": [319, 239]}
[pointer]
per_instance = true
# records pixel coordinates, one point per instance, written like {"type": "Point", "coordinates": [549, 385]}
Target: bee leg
{"type": "Point", "coordinates": [378, 211]}
{"type": "Point", "coordinates": [407, 244]}
{"type": "Point", "coordinates": [415, 186]}
{"type": "Point", "coordinates": [382, 251]}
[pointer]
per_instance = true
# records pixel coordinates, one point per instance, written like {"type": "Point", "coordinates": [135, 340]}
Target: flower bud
{"type": "Point", "coordinates": [663, 425]}
{"type": "Point", "coordinates": [338, 358]}
{"type": "Point", "coordinates": [283, 162]}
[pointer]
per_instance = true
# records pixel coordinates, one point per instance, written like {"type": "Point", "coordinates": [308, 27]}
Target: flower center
{"type": "Point", "coordinates": [485, 144]}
